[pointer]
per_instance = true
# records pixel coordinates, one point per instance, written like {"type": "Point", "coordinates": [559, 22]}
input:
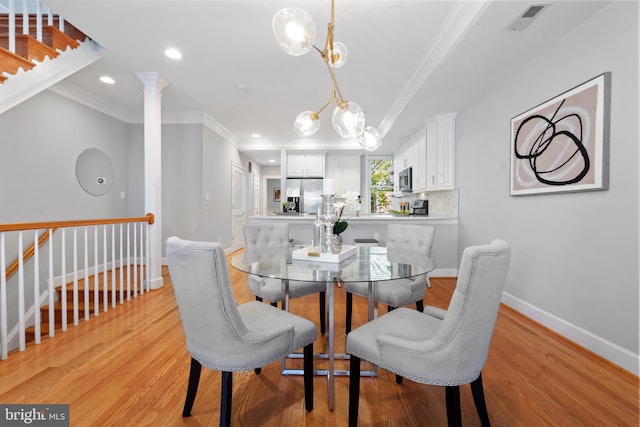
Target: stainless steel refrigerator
{"type": "Point", "coordinates": [309, 190]}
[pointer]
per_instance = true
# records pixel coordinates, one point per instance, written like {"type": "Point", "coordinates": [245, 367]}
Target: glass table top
{"type": "Point", "coordinates": [369, 264]}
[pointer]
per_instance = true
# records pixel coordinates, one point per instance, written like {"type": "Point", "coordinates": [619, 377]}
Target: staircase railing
{"type": "Point", "coordinates": [108, 247]}
{"type": "Point", "coordinates": [29, 31]}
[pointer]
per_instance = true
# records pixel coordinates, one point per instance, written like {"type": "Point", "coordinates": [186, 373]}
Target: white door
{"type": "Point", "coordinates": [257, 192]}
{"type": "Point", "coordinates": [238, 209]}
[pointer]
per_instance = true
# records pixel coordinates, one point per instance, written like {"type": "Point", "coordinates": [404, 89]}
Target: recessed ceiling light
{"type": "Point", "coordinates": [242, 86]}
{"type": "Point", "coordinates": [106, 79]}
{"type": "Point", "coordinates": [271, 161]}
{"type": "Point", "coordinates": [255, 135]}
{"type": "Point", "coordinates": [173, 53]}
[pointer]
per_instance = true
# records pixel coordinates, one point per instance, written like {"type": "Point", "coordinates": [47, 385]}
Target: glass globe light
{"type": "Point", "coordinates": [294, 30]}
{"type": "Point", "coordinates": [338, 56]}
{"type": "Point", "coordinates": [370, 139]}
{"type": "Point", "coordinates": [348, 120]}
{"type": "Point", "coordinates": [306, 124]}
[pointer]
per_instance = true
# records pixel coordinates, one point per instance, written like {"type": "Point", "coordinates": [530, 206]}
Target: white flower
{"type": "Point", "coordinates": [352, 200]}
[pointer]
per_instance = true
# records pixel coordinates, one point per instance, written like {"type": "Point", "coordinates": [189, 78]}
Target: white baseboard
{"type": "Point", "coordinates": [444, 272]}
{"type": "Point", "coordinates": [612, 352]}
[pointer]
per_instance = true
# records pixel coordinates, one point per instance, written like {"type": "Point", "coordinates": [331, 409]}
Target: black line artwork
{"type": "Point", "coordinates": [550, 134]}
{"type": "Point", "coordinates": [562, 144]}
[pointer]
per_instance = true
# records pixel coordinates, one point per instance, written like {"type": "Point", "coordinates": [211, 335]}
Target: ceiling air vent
{"type": "Point", "coordinates": [527, 17]}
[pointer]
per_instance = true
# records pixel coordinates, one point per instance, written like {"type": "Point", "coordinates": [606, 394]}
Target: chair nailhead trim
{"type": "Point", "coordinates": [413, 378]}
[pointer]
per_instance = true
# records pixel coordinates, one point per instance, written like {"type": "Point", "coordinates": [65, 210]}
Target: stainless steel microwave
{"type": "Point", "coordinates": [405, 180]}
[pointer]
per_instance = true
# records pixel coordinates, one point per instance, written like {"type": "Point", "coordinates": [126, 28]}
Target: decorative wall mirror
{"type": "Point", "coordinates": [94, 171]}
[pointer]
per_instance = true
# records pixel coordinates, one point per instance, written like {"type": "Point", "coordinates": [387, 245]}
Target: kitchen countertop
{"type": "Point", "coordinates": [359, 219]}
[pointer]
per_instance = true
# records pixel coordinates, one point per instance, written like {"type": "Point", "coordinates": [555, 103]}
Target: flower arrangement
{"type": "Point", "coordinates": [352, 203]}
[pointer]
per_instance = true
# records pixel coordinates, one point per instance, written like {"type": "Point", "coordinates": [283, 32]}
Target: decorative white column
{"type": "Point", "coordinates": [153, 85]}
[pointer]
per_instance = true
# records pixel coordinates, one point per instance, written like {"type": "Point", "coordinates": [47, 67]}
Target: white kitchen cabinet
{"type": "Point", "coordinates": [305, 165]}
{"type": "Point", "coordinates": [430, 154]}
{"type": "Point", "coordinates": [345, 169]}
{"type": "Point", "coordinates": [440, 133]}
{"type": "Point", "coordinates": [418, 147]}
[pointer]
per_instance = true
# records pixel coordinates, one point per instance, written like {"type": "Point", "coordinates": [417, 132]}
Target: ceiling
{"type": "Point", "coordinates": [408, 60]}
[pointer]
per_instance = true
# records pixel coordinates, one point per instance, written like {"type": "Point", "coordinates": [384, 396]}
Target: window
{"type": "Point", "coordinates": [380, 183]}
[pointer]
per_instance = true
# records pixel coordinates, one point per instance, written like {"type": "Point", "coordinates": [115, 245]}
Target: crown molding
{"type": "Point", "coordinates": [457, 23]}
{"type": "Point", "coordinates": [88, 99]}
{"type": "Point", "coordinates": [24, 84]}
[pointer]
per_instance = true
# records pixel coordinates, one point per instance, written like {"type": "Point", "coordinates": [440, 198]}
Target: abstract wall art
{"type": "Point", "coordinates": [562, 144]}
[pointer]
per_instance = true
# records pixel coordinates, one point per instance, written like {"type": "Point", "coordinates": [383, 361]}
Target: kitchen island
{"type": "Point", "coordinates": [374, 226]}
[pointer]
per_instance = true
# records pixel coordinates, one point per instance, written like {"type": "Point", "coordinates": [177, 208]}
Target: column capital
{"type": "Point", "coordinates": [152, 80]}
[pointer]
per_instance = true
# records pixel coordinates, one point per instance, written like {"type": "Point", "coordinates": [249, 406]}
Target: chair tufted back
{"type": "Point", "coordinates": [414, 240]}
{"type": "Point", "coordinates": [266, 239]}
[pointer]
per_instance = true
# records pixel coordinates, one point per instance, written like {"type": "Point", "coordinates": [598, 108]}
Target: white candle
{"type": "Point", "coordinates": [329, 186]}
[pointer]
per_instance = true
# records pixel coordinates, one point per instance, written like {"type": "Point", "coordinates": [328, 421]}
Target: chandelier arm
{"type": "Point", "coordinates": [325, 105]}
{"type": "Point", "coordinates": [337, 94]}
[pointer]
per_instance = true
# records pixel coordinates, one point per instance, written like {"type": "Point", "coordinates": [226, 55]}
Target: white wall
{"type": "Point", "coordinates": [40, 140]}
{"type": "Point", "coordinates": [217, 157]}
{"type": "Point", "coordinates": [575, 255]}
{"type": "Point", "coordinates": [182, 182]}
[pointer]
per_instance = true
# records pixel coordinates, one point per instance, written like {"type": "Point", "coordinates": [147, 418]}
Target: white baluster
{"type": "Point", "coordinates": [12, 26]}
{"type": "Point", "coordinates": [146, 226]}
{"type": "Point", "coordinates": [87, 283]}
{"type": "Point", "coordinates": [141, 258]}
{"type": "Point", "coordinates": [96, 273]}
{"type": "Point", "coordinates": [21, 326]}
{"type": "Point", "coordinates": [105, 275]}
{"type": "Point", "coordinates": [121, 268]}
{"type": "Point", "coordinates": [63, 284]}
{"type": "Point", "coordinates": [135, 261]}
{"type": "Point", "coordinates": [76, 315]}
{"type": "Point", "coordinates": [113, 265]}
{"type": "Point", "coordinates": [36, 287]}
{"type": "Point", "coordinates": [52, 320]}
{"type": "Point", "coordinates": [25, 17]}
{"type": "Point", "coordinates": [128, 262]}
{"type": "Point", "coordinates": [39, 21]}
{"type": "Point", "coordinates": [3, 300]}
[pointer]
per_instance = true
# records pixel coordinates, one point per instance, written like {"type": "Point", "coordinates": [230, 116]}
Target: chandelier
{"type": "Point", "coordinates": [295, 32]}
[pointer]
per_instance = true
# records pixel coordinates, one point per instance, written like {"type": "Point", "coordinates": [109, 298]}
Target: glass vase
{"type": "Point", "coordinates": [328, 219]}
{"type": "Point", "coordinates": [334, 243]}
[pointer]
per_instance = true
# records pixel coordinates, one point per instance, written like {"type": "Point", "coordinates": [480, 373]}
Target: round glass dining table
{"type": "Point", "coordinates": [370, 264]}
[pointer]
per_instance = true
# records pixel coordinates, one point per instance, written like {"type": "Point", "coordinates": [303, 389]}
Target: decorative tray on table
{"type": "Point", "coordinates": [308, 254]}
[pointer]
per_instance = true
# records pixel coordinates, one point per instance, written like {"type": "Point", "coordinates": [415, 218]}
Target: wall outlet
{"type": "Point", "coordinates": [123, 195]}
{"type": "Point", "coordinates": [376, 236]}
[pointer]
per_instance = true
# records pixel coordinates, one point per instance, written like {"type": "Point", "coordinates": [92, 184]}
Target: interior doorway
{"type": "Point", "coordinates": [273, 194]}
{"type": "Point", "coordinates": [238, 205]}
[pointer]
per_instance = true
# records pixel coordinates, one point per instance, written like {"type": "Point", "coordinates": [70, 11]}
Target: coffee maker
{"type": "Point", "coordinates": [420, 207]}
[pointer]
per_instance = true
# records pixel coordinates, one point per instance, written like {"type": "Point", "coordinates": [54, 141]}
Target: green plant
{"type": "Point", "coordinates": [339, 226]}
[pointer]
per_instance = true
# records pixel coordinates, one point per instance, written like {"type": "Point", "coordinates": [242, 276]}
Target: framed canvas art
{"type": "Point", "coordinates": [276, 194]}
{"type": "Point", "coordinates": [562, 144]}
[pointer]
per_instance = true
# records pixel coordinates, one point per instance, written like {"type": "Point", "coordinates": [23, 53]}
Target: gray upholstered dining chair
{"type": "Point", "coordinates": [265, 241]}
{"type": "Point", "coordinates": [444, 348]}
{"type": "Point", "coordinates": [224, 336]}
{"type": "Point", "coordinates": [412, 242]}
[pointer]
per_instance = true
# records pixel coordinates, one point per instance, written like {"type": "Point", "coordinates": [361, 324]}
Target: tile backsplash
{"type": "Point", "coordinates": [443, 203]}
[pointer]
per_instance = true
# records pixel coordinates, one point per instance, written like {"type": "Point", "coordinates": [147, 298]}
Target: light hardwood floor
{"type": "Point", "coordinates": [129, 367]}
